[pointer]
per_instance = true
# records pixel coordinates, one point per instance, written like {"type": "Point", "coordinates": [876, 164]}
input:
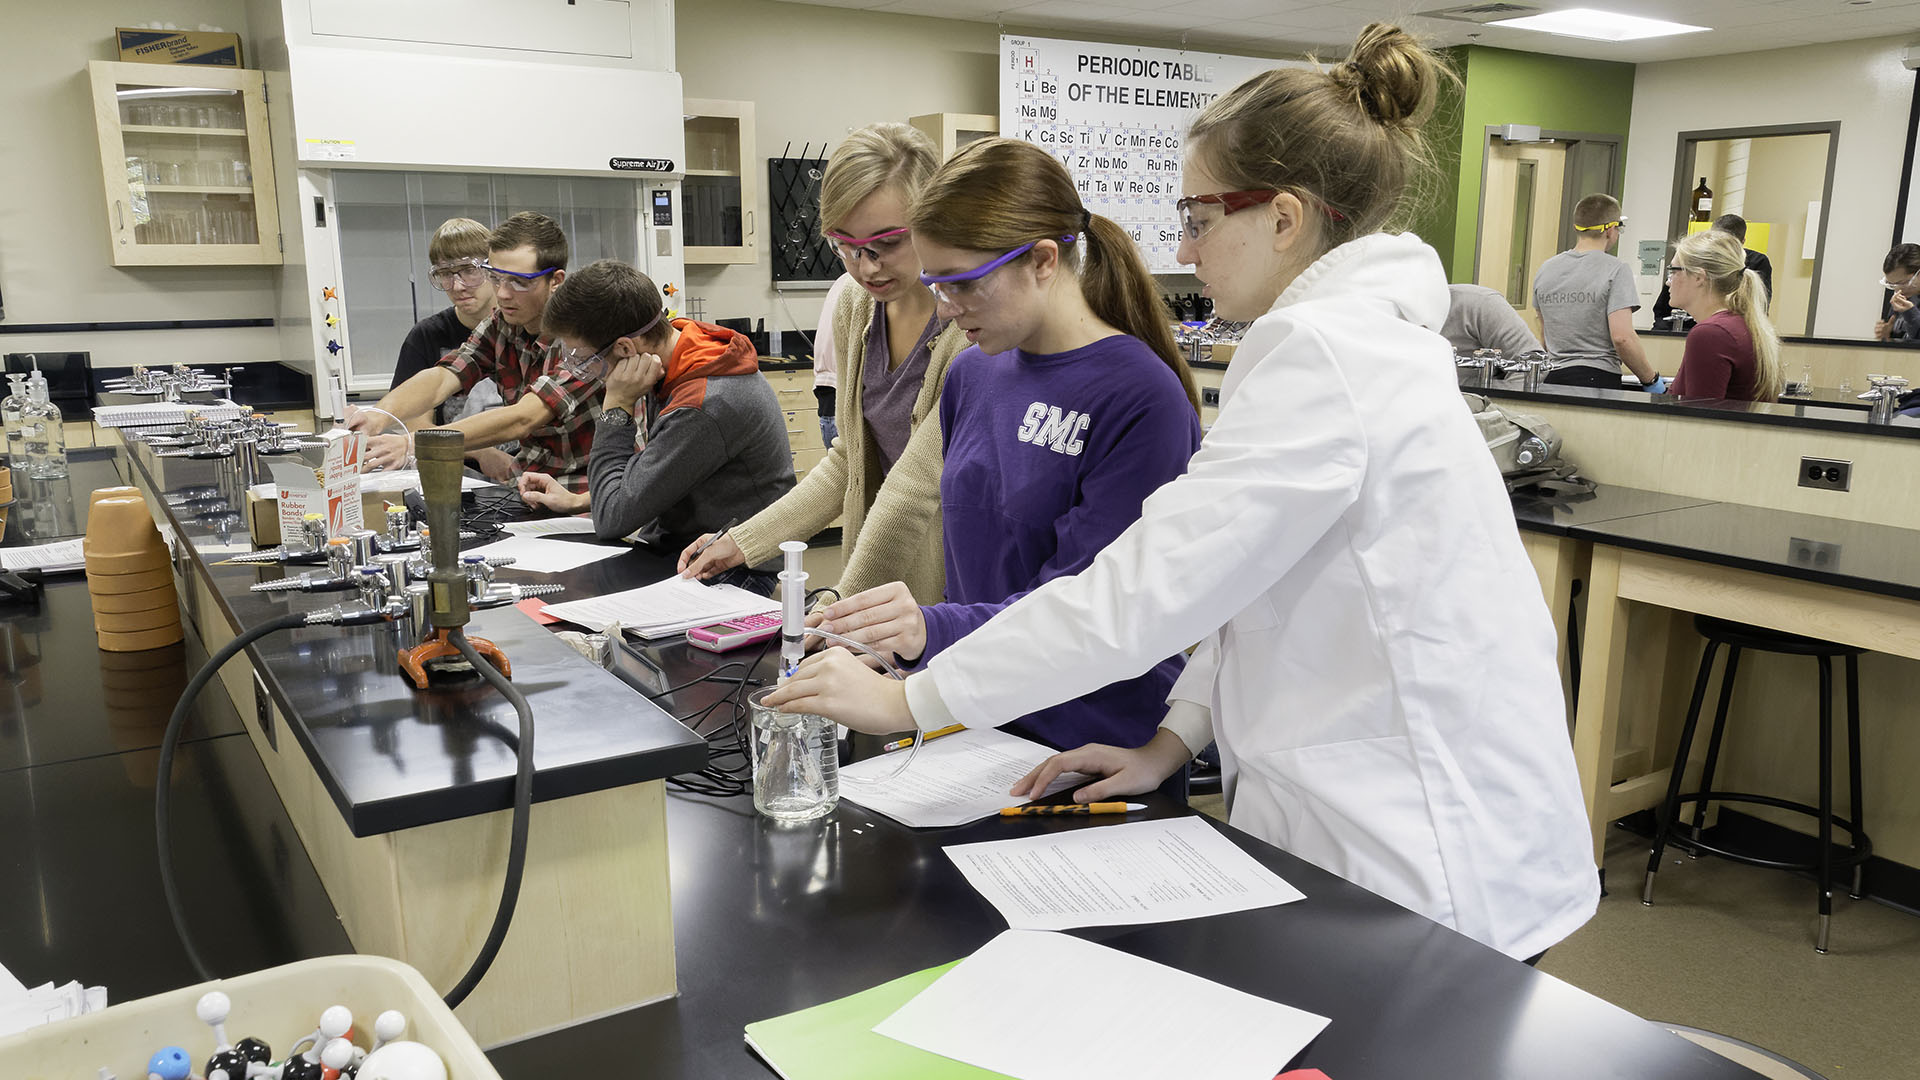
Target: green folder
{"type": "Point", "coordinates": [836, 1041]}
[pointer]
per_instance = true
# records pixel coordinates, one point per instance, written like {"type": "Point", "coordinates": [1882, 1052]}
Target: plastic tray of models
{"type": "Point", "coordinates": [278, 1005]}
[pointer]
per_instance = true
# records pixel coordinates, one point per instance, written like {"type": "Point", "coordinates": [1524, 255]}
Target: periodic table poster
{"type": "Point", "coordinates": [1116, 116]}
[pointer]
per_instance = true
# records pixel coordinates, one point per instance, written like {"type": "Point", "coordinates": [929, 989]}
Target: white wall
{"type": "Point", "coordinates": [54, 264]}
{"type": "Point", "coordinates": [813, 74]}
{"type": "Point", "coordinates": [1859, 83]}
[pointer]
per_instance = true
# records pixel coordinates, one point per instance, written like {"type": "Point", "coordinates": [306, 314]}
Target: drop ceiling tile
{"type": "Point", "coordinates": [1231, 9]}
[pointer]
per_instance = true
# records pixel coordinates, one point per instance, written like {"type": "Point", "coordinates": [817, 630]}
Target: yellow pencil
{"type": "Point", "coordinates": [1072, 808]}
{"type": "Point", "coordinates": [902, 744]}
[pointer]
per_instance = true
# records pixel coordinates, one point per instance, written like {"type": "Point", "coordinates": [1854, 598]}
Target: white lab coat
{"type": "Point", "coordinates": [1375, 654]}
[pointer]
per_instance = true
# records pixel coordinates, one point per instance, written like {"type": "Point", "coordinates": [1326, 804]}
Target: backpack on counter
{"type": "Point", "coordinates": [1525, 447]}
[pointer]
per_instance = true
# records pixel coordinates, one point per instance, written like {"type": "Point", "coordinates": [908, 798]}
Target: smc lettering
{"type": "Point", "coordinates": [1045, 425]}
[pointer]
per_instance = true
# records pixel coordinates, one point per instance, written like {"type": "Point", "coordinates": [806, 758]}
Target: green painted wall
{"type": "Point", "coordinates": [1504, 87]}
{"type": "Point", "coordinates": [1433, 208]}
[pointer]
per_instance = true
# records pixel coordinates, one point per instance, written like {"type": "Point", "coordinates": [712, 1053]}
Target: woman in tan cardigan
{"type": "Point", "coordinates": [882, 475]}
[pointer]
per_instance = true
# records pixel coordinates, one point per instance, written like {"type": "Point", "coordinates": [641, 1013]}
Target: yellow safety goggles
{"type": "Point", "coordinates": [1600, 228]}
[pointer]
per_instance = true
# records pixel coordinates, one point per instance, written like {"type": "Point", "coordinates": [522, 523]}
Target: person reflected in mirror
{"type": "Point", "coordinates": [1732, 351]}
{"type": "Point", "coordinates": [1900, 276]}
{"type": "Point", "coordinates": [1586, 299]}
{"type": "Point", "coordinates": [1736, 226]}
{"type": "Point", "coordinates": [1481, 318]}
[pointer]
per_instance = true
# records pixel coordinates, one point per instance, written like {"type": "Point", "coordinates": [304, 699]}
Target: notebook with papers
{"type": "Point", "coordinates": [664, 608]}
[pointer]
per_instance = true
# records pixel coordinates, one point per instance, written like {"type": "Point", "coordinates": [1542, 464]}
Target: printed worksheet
{"type": "Point", "coordinates": [1119, 875]}
{"type": "Point", "coordinates": [1134, 1017]}
{"type": "Point", "coordinates": [955, 779]}
{"type": "Point", "coordinates": [542, 555]}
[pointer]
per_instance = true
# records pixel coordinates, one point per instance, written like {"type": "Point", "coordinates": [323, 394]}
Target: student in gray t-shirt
{"type": "Point", "coordinates": [1481, 318]}
{"type": "Point", "coordinates": [1586, 299]}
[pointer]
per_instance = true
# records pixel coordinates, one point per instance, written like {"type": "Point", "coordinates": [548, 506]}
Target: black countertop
{"type": "Point", "coordinates": [1877, 559]}
{"type": "Point", "coordinates": [1854, 555]}
{"type": "Point", "coordinates": [1801, 339]}
{"type": "Point", "coordinates": [392, 757]}
{"type": "Point", "coordinates": [772, 918]}
{"type": "Point", "coordinates": [1562, 515]}
{"type": "Point", "coordinates": [1797, 413]}
{"type": "Point", "coordinates": [768, 918]}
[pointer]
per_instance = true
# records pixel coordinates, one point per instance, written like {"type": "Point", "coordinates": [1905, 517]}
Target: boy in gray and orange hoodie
{"type": "Point", "coordinates": [690, 437]}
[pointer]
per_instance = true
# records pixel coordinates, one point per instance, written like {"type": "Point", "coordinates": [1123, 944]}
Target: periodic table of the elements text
{"type": "Point", "coordinates": [1115, 116]}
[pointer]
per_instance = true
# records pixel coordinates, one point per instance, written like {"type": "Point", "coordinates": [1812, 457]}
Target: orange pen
{"type": "Point", "coordinates": [1072, 808]}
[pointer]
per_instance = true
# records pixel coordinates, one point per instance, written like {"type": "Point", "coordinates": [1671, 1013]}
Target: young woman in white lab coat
{"type": "Point", "coordinates": [1375, 658]}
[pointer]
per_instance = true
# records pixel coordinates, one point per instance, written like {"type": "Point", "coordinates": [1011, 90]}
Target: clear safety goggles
{"type": "Point", "coordinates": [468, 272]}
{"type": "Point", "coordinates": [1912, 284]}
{"type": "Point", "coordinates": [877, 248]}
{"type": "Point", "coordinates": [966, 287]}
{"type": "Point", "coordinates": [514, 280]}
{"type": "Point", "coordinates": [1192, 227]}
{"type": "Point", "coordinates": [592, 367]}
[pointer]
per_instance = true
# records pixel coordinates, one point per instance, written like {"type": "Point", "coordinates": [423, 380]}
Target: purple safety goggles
{"type": "Point", "coordinates": [983, 269]}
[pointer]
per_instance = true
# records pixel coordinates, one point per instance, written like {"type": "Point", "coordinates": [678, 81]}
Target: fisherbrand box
{"type": "Point", "coordinates": [179, 47]}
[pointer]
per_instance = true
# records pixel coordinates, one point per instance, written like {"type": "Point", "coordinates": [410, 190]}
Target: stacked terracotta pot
{"type": "Point", "coordinates": [129, 573]}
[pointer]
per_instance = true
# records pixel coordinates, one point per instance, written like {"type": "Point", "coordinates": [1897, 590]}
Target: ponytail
{"type": "Point", "coordinates": [1748, 300]}
{"type": "Point", "coordinates": [1723, 261]}
{"type": "Point", "coordinates": [1122, 293]}
{"type": "Point", "coordinates": [997, 194]}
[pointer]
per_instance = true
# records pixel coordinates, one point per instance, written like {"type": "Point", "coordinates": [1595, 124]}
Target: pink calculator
{"type": "Point", "coordinates": [734, 633]}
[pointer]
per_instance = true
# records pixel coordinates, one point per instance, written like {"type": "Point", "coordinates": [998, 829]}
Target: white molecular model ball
{"type": "Point", "coordinates": [403, 1061]}
{"type": "Point", "coordinates": [213, 1008]}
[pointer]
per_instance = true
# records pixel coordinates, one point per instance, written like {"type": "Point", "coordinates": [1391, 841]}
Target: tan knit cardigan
{"type": "Point", "coordinates": [891, 528]}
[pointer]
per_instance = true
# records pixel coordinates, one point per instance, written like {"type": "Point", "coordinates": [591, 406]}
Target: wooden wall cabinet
{"type": "Point", "coordinates": [722, 188]}
{"type": "Point", "coordinates": [188, 171]}
{"type": "Point", "coordinates": [951, 131]}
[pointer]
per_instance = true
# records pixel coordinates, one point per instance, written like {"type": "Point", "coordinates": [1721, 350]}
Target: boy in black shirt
{"type": "Point", "coordinates": [457, 255]}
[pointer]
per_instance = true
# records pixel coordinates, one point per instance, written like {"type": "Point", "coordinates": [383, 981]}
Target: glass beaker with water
{"type": "Point", "coordinates": [796, 762]}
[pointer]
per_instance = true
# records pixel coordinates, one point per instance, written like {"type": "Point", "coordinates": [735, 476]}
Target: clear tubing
{"type": "Point", "coordinates": [892, 672]}
{"type": "Point", "coordinates": [793, 628]}
{"type": "Point", "coordinates": [793, 617]}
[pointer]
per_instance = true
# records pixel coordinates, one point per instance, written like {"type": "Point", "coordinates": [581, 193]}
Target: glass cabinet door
{"type": "Point", "coordinates": [189, 176]}
{"type": "Point", "coordinates": [721, 190]}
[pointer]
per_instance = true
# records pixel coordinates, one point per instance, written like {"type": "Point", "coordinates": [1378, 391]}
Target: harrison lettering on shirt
{"type": "Point", "coordinates": [1045, 425]}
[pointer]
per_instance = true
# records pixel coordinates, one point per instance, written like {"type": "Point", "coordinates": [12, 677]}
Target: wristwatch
{"type": "Point", "coordinates": [614, 414]}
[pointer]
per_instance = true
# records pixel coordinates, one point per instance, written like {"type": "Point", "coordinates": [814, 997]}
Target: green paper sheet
{"type": "Point", "coordinates": [835, 1041]}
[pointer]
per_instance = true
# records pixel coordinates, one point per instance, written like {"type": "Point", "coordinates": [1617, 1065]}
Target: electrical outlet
{"type": "Point", "coordinates": [1210, 395]}
{"type": "Point", "coordinates": [1818, 554]}
{"type": "Point", "coordinates": [1826, 473]}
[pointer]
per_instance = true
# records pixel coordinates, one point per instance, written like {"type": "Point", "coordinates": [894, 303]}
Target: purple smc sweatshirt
{"type": "Point", "coordinates": [1048, 458]}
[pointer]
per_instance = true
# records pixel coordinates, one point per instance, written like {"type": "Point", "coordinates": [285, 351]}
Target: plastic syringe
{"type": "Point", "coordinates": [793, 615]}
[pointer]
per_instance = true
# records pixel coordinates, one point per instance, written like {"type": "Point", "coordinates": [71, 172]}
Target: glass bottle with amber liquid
{"type": "Point", "coordinates": [1702, 202]}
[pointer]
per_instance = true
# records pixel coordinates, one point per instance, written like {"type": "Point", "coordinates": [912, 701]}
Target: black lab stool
{"type": "Point", "coordinates": [1738, 637]}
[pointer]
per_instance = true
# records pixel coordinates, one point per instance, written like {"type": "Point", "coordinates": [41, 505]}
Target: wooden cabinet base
{"type": "Point", "coordinates": [593, 931]}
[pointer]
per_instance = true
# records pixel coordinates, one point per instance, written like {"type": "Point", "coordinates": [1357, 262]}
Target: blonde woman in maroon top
{"type": "Point", "coordinates": [1733, 350]}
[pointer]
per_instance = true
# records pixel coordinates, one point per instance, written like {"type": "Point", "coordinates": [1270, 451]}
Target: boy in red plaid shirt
{"type": "Point", "coordinates": [547, 409]}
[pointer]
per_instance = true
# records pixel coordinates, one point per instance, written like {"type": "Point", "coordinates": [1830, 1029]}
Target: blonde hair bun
{"type": "Point", "coordinates": [1394, 76]}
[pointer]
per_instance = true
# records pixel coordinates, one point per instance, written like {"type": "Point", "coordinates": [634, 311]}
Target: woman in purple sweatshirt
{"type": "Point", "coordinates": [1071, 407]}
